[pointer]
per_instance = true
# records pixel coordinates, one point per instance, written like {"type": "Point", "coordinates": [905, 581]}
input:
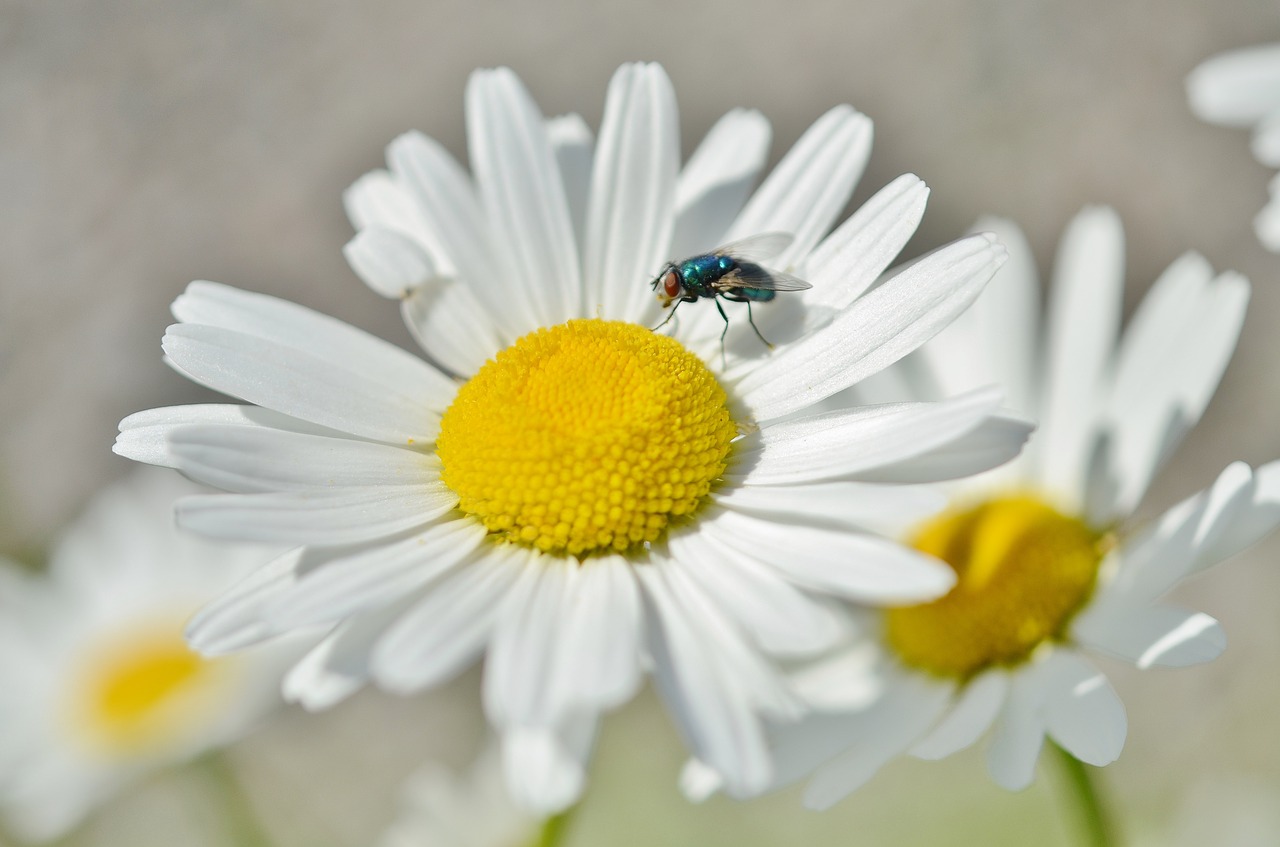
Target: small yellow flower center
{"type": "Point", "coordinates": [145, 690]}
{"type": "Point", "coordinates": [590, 436]}
{"type": "Point", "coordinates": [1022, 571]}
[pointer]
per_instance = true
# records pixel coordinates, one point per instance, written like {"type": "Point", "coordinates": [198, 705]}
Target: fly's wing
{"type": "Point", "coordinates": [757, 248]}
{"type": "Point", "coordinates": [751, 275]}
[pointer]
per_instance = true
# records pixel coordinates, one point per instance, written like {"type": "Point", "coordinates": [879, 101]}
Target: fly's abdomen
{"type": "Point", "coordinates": [759, 295]}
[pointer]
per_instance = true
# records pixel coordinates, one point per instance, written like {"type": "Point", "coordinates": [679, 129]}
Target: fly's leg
{"type": "Point", "coordinates": [670, 315]}
{"type": "Point", "coordinates": [720, 309]}
{"type": "Point", "coordinates": [751, 321]}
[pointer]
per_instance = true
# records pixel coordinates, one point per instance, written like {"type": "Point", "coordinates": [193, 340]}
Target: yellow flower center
{"type": "Point", "coordinates": [1022, 571]}
{"type": "Point", "coordinates": [590, 436]}
{"type": "Point", "coordinates": [144, 690]}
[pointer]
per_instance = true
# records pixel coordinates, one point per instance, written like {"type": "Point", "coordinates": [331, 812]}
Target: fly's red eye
{"type": "Point", "coordinates": [671, 284]}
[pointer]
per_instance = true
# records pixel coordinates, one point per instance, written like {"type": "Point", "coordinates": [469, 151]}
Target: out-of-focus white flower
{"type": "Point", "coordinates": [1242, 88]}
{"type": "Point", "coordinates": [97, 684]}
{"type": "Point", "coordinates": [444, 809]}
{"type": "Point", "coordinates": [1051, 566]}
{"type": "Point", "coordinates": [574, 496]}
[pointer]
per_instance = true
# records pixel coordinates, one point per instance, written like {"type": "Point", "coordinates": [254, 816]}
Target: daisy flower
{"type": "Point", "coordinates": [1051, 565]}
{"type": "Point", "coordinates": [559, 488]}
{"type": "Point", "coordinates": [97, 684]}
{"type": "Point", "coordinates": [1242, 88]}
{"type": "Point", "coordinates": [445, 809]}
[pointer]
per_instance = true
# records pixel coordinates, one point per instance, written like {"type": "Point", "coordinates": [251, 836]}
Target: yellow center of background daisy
{"type": "Point", "coordinates": [145, 689]}
{"type": "Point", "coordinates": [1022, 571]}
{"type": "Point", "coordinates": [586, 437]}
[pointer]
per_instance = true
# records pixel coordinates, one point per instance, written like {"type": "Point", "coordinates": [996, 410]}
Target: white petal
{"type": "Point", "coordinates": [1250, 524]}
{"type": "Point", "coordinates": [524, 199]}
{"type": "Point", "coordinates": [714, 685]}
{"type": "Point", "coordinates": [1084, 314]}
{"type": "Point", "coordinates": [993, 442]}
{"type": "Point", "coordinates": [454, 228]}
{"type": "Point", "coordinates": [1236, 88]}
{"type": "Point", "coordinates": [633, 188]}
{"type": "Point", "coordinates": [848, 680]}
{"type": "Point", "coordinates": [451, 326]}
{"type": "Point", "coordinates": [840, 563]}
{"type": "Point", "coordinates": [716, 180]}
{"type": "Point", "coordinates": [1019, 733]}
{"type": "Point", "coordinates": [1267, 222]}
{"type": "Point", "coordinates": [389, 262]}
{"type": "Point", "coordinates": [994, 342]}
{"type": "Point", "coordinates": [1168, 367]}
{"type": "Point", "coordinates": [1177, 545]}
{"type": "Point", "coordinates": [881, 508]}
{"type": "Point", "coordinates": [811, 185]}
{"type": "Point", "coordinates": [545, 775]}
{"type": "Point", "coordinates": [320, 337]}
{"type": "Point", "coordinates": [447, 629]}
{"type": "Point", "coordinates": [852, 257]}
{"type": "Point", "coordinates": [249, 459]}
{"type": "Point", "coordinates": [318, 518]}
{"type": "Point", "coordinates": [909, 708]}
{"type": "Point", "coordinates": [1266, 138]}
{"type": "Point", "coordinates": [379, 199]}
{"type": "Point", "coordinates": [232, 621]}
{"type": "Point", "coordinates": [970, 716]}
{"type": "Point", "coordinates": [841, 444]}
{"type": "Point", "coordinates": [373, 577]}
{"type": "Point", "coordinates": [574, 147]}
{"type": "Point", "coordinates": [874, 332]}
{"type": "Point", "coordinates": [144, 436]}
{"type": "Point", "coordinates": [1083, 713]}
{"type": "Point", "coordinates": [322, 679]}
{"type": "Point", "coordinates": [1156, 637]}
{"type": "Point", "coordinates": [782, 620]}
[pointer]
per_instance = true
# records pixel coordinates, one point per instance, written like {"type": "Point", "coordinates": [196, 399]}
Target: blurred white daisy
{"type": "Point", "coordinates": [97, 684]}
{"type": "Point", "coordinates": [1242, 88]}
{"type": "Point", "coordinates": [441, 808]}
{"type": "Point", "coordinates": [1051, 565]}
{"type": "Point", "coordinates": [596, 499]}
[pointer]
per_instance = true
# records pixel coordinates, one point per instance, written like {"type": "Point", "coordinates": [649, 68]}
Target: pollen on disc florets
{"type": "Point", "coordinates": [1023, 570]}
{"type": "Point", "coordinates": [590, 436]}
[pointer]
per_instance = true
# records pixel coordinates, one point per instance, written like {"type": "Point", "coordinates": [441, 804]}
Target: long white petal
{"type": "Point", "coordinates": [317, 518]}
{"type": "Point", "coordinates": [1083, 713]}
{"type": "Point", "coordinates": [1019, 733]}
{"type": "Point", "coordinates": [450, 625]}
{"type": "Point", "coordinates": [716, 180]}
{"type": "Point", "coordinates": [449, 323]}
{"type": "Point", "coordinates": [389, 262]}
{"type": "Point", "coordinates": [886, 509]}
{"type": "Point", "coordinates": [969, 717]}
{"type": "Point", "coordinates": [301, 385]}
{"type": "Point", "coordinates": [249, 459]}
{"type": "Point", "coordinates": [1155, 637]}
{"type": "Point", "coordinates": [144, 436]}
{"type": "Point", "coordinates": [574, 148]}
{"type": "Point", "coordinates": [842, 444]}
{"type": "Point", "coordinates": [807, 190]}
{"type": "Point", "coordinates": [1084, 316]}
{"type": "Point", "coordinates": [840, 563]}
{"type": "Point", "coordinates": [1237, 88]}
{"type": "Point", "coordinates": [874, 332]}
{"type": "Point", "coordinates": [523, 195]}
{"type": "Point", "coordinates": [633, 188]}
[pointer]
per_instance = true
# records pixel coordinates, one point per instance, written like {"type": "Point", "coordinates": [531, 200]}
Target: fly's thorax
{"type": "Point", "coordinates": [700, 273]}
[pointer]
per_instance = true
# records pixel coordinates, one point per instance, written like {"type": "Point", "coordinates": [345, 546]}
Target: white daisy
{"type": "Point", "coordinates": [1242, 88]}
{"type": "Point", "coordinates": [1051, 565]}
{"type": "Point", "coordinates": [596, 499]}
{"type": "Point", "coordinates": [97, 684]}
{"type": "Point", "coordinates": [443, 809]}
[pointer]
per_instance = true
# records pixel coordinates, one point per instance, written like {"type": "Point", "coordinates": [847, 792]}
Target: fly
{"type": "Point", "coordinates": [732, 272]}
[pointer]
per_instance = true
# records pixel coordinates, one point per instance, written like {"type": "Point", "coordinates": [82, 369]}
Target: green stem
{"type": "Point", "coordinates": [1097, 829]}
{"type": "Point", "coordinates": [238, 816]}
{"type": "Point", "coordinates": [553, 830]}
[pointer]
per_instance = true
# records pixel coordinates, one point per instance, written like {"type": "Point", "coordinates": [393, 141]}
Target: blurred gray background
{"type": "Point", "coordinates": [145, 144]}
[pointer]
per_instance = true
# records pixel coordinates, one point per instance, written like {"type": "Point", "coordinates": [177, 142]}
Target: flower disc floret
{"type": "Point", "coordinates": [1023, 570]}
{"type": "Point", "coordinates": [589, 436]}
